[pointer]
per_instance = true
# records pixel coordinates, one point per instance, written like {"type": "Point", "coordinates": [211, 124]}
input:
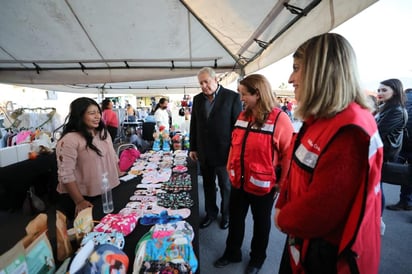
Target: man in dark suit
{"type": "Point", "coordinates": [214, 113]}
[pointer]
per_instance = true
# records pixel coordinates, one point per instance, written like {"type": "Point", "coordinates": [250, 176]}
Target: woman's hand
{"type": "Point", "coordinates": [82, 205]}
{"type": "Point", "coordinates": [277, 211]}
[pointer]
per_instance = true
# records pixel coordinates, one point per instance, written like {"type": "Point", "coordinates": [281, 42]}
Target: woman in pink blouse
{"type": "Point", "coordinates": [84, 153]}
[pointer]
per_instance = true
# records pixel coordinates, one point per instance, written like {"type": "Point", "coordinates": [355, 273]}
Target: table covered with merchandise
{"type": "Point", "coordinates": [161, 188]}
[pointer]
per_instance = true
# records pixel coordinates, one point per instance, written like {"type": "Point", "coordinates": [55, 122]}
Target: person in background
{"type": "Point", "coordinates": [161, 114]}
{"type": "Point", "coordinates": [130, 113]}
{"type": "Point", "coordinates": [374, 103]}
{"type": "Point", "coordinates": [126, 103]}
{"type": "Point", "coordinates": [84, 154]}
{"type": "Point", "coordinates": [214, 113]}
{"type": "Point", "coordinates": [260, 139]}
{"type": "Point", "coordinates": [405, 197]}
{"type": "Point", "coordinates": [391, 121]}
{"type": "Point", "coordinates": [110, 118]}
{"type": "Point", "coordinates": [330, 203]}
{"type": "Point", "coordinates": [142, 113]}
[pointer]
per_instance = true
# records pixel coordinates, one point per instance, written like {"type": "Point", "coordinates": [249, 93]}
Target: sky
{"type": "Point", "coordinates": [381, 36]}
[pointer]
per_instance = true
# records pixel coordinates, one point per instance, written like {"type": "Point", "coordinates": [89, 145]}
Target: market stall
{"type": "Point", "coordinates": [125, 198]}
{"type": "Point", "coordinates": [121, 197]}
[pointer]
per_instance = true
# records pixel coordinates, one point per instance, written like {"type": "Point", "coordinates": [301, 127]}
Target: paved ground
{"type": "Point", "coordinates": [395, 255]}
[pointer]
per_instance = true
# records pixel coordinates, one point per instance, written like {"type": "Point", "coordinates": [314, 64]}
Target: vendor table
{"type": "Point", "coordinates": [12, 223]}
{"type": "Point", "coordinates": [121, 195]}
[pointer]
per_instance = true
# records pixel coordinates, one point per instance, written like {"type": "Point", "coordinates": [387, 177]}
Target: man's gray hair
{"type": "Point", "coordinates": [207, 70]}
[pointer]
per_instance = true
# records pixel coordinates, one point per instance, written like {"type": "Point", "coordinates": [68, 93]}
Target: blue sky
{"type": "Point", "coordinates": [382, 38]}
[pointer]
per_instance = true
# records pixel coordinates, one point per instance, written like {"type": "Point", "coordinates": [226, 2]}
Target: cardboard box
{"type": "Point", "coordinates": [39, 256]}
{"type": "Point", "coordinates": [14, 260]}
{"type": "Point", "coordinates": [8, 156]}
{"type": "Point", "coordinates": [33, 254]}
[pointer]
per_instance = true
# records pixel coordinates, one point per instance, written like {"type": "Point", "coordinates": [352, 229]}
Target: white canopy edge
{"type": "Point", "coordinates": [184, 85]}
{"type": "Point", "coordinates": [68, 77]}
{"type": "Point", "coordinates": [322, 19]}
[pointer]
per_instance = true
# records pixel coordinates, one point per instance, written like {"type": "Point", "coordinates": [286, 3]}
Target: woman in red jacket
{"type": "Point", "coordinates": [260, 139]}
{"type": "Point", "coordinates": [330, 204]}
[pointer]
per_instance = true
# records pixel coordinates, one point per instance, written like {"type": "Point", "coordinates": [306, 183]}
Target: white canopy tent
{"type": "Point", "coordinates": [74, 45]}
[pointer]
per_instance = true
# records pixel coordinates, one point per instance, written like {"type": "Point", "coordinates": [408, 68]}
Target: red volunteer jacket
{"type": "Point", "coordinates": [359, 244]}
{"type": "Point", "coordinates": [250, 162]}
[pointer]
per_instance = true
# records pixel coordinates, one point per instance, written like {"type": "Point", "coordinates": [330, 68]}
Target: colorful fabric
{"type": "Point", "coordinates": [161, 218]}
{"type": "Point", "coordinates": [149, 267]}
{"type": "Point", "coordinates": [114, 238]}
{"type": "Point", "coordinates": [105, 259]}
{"type": "Point", "coordinates": [117, 222]}
{"type": "Point", "coordinates": [167, 243]}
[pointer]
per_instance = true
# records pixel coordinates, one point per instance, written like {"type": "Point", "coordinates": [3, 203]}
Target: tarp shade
{"type": "Point", "coordinates": [54, 42]}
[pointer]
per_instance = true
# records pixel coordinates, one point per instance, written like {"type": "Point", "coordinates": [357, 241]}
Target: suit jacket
{"type": "Point", "coordinates": [211, 137]}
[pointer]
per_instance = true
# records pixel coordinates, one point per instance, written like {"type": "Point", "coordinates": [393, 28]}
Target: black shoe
{"type": "Point", "coordinates": [224, 223]}
{"type": "Point", "coordinates": [252, 270]}
{"type": "Point", "coordinates": [206, 222]}
{"type": "Point", "coordinates": [399, 206]}
{"type": "Point", "coordinates": [224, 261]}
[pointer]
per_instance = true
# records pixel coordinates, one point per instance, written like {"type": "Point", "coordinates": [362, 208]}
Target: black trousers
{"type": "Point", "coordinates": [321, 258]}
{"type": "Point", "coordinates": [209, 174]}
{"type": "Point", "coordinates": [261, 207]}
{"type": "Point", "coordinates": [112, 132]}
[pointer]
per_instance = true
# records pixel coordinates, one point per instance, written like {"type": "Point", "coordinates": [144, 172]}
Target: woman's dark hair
{"type": "Point", "coordinates": [398, 93]}
{"type": "Point", "coordinates": [74, 122]}
{"type": "Point", "coordinates": [161, 101]}
{"type": "Point", "coordinates": [106, 103]}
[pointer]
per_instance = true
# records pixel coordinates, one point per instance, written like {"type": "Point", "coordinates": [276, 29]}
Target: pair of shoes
{"type": "Point", "coordinates": [206, 222]}
{"type": "Point", "coordinates": [224, 261]}
{"type": "Point", "coordinates": [399, 206]}
{"type": "Point", "coordinates": [224, 223]}
{"type": "Point", "coordinates": [252, 269]}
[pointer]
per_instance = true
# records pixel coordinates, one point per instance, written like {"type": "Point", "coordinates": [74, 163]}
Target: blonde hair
{"type": "Point", "coordinates": [258, 84]}
{"type": "Point", "coordinates": [330, 80]}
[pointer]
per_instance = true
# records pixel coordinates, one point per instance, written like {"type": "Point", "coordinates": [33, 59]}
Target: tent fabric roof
{"type": "Point", "coordinates": [67, 42]}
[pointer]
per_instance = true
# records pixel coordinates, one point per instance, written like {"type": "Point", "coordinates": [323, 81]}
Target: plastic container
{"type": "Point", "coordinates": [107, 200]}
